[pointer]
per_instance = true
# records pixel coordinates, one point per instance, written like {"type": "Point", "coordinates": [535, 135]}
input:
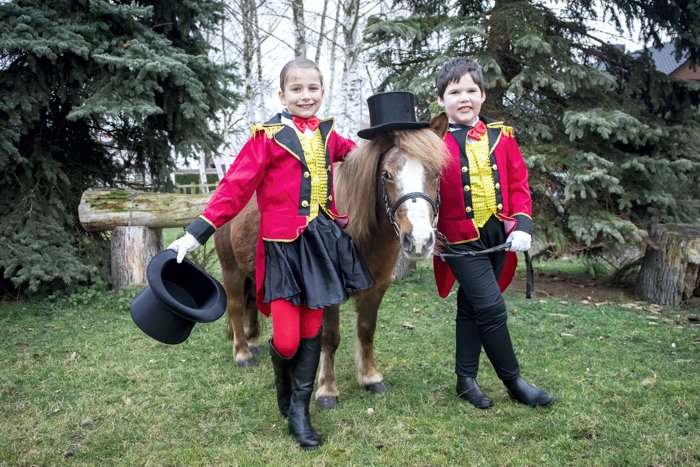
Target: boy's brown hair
{"type": "Point", "coordinates": [453, 70]}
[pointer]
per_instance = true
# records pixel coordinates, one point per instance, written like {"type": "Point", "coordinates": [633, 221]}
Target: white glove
{"type": "Point", "coordinates": [184, 244]}
{"type": "Point", "coordinates": [519, 241]}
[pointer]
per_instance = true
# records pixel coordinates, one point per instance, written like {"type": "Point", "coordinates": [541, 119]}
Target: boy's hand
{"type": "Point", "coordinates": [519, 241]}
{"type": "Point", "coordinates": [184, 244]}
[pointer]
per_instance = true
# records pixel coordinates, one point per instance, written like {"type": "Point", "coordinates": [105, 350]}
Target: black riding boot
{"type": "Point", "coordinates": [499, 348]}
{"type": "Point", "coordinates": [467, 354]}
{"type": "Point", "coordinates": [303, 377]}
{"type": "Point", "coordinates": [468, 390]}
{"type": "Point", "coordinates": [527, 394]}
{"type": "Point", "coordinates": [283, 378]}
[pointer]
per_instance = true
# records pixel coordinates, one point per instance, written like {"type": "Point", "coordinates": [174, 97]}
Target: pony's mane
{"type": "Point", "coordinates": [356, 179]}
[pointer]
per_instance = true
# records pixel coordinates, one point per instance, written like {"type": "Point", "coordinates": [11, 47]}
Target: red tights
{"type": "Point", "coordinates": [291, 323]}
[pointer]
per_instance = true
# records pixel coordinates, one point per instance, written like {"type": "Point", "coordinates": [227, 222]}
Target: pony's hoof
{"type": "Point", "coordinates": [255, 350]}
{"type": "Point", "coordinates": [247, 363]}
{"type": "Point", "coordinates": [328, 402]}
{"type": "Point", "coordinates": [377, 388]}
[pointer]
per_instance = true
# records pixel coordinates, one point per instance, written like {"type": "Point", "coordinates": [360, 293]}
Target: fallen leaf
{"type": "Point", "coordinates": [408, 325]}
{"type": "Point", "coordinates": [649, 382]}
{"type": "Point", "coordinates": [565, 334]}
{"type": "Point", "coordinates": [73, 357]}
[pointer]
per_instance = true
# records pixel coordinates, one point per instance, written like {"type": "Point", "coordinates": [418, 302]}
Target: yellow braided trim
{"type": "Point", "coordinates": [270, 130]}
{"type": "Point", "coordinates": [505, 129]}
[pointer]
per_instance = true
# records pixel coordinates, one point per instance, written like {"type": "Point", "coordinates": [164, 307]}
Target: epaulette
{"type": "Point", "coordinates": [505, 129]}
{"type": "Point", "coordinates": [270, 130]}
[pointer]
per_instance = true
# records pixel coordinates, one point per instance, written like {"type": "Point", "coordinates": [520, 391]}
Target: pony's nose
{"type": "Point", "coordinates": [407, 242]}
{"type": "Point", "coordinates": [422, 248]}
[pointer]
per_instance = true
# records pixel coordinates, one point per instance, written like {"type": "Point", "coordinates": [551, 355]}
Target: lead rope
{"type": "Point", "coordinates": [453, 253]}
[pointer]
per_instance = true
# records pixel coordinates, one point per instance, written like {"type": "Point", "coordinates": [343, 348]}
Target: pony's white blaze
{"type": "Point", "coordinates": [411, 179]}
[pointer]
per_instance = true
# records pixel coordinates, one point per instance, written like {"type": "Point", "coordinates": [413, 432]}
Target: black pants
{"type": "Point", "coordinates": [481, 309]}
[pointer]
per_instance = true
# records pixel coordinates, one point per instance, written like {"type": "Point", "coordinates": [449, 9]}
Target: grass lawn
{"type": "Point", "coordinates": [80, 384]}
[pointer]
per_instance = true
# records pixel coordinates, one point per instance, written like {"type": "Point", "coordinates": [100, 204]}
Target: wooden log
{"type": "Point", "coordinates": [132, 250]}
{"type": "Point", "coordinates": [403, 267]}
{"type": "Point", "coordinates": [105, 209]}
{"type": "Point", "coordinates": [670, 272]}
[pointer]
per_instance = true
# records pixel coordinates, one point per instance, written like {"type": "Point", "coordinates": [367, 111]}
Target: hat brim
{"type": "Point", "coordinates": [372, 132]}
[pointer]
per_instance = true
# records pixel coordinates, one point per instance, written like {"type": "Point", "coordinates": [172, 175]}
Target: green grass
{"type": "Point", "coordinates": [79, 383]}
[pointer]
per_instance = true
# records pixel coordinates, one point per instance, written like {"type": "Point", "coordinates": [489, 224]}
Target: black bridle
{"type": "Point", "coordinates": [445, 250]}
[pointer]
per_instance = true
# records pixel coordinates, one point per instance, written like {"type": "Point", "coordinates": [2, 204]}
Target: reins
{"type": "Point", "coordinates": [449, 251]}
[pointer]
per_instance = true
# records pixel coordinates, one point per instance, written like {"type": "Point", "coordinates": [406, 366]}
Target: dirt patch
{"type": "Point", "coordinates": [575, 288]}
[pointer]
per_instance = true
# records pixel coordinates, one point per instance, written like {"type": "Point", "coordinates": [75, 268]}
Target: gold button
{"type": "Point", "coordinates": [465, 169]}
{"type": "Point", "coordinates": [330, 197]}
{"type": "Point", "coordinates": [500, 206]}
{"type": "Point", "coordinates": [307, 174]}
{"type": "Point", "coordinates": [467, 188]}
{"type": "Point", "coordinates": [468, 209]}
{"type": "Point", "coordinates": [498, 186]}
{"type": "Point", "coordinates": [494, 167]}
{"type": "Point", "coordinates": [305, 204]}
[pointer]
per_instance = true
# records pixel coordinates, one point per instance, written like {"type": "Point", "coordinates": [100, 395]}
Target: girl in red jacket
{"type": "Point", "coordinates": [304, 259]}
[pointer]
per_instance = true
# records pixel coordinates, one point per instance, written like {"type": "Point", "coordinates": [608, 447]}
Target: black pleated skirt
{"type": "Point", "coordinates": [320, 268]}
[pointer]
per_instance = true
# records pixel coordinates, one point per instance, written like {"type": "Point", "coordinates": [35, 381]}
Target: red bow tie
{"type": "Point", "coordinates": [477, 131]}
{"type": "Point", "coordinates": [303, 123]}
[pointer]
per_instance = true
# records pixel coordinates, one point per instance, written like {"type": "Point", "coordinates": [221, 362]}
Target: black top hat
{"type": "Point", "coordinates": [389, 111]}
{"type": "Point", "coordinates": [178, 296]}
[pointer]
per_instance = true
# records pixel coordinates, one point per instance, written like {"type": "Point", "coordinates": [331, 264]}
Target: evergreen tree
{"type": "Point", "coordinates": [92, 91]}
{"type": "Point", "coordinates": [612, 144]}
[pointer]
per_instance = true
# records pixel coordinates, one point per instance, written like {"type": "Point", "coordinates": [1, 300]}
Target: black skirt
{"type": "Point", "coordinates": [320, 268]}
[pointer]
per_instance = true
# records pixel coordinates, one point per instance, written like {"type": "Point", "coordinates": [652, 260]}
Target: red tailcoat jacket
{"type": "Point", "coordinates": [514, 204]}
{"type": "Point", "coordinates": [272, 163]}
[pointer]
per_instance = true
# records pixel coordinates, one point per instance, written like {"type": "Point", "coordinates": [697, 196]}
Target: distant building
{"type": "Point", "coordinates": [666, 62]}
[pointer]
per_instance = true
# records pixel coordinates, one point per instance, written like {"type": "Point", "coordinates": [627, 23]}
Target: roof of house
{"type": "Point", "coordinates": [665, 58]}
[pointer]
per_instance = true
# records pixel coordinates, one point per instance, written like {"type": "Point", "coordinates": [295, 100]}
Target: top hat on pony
{"type": "Point", "coordinates": [178, 296]}
{"type": "Point", "coordinates": [388, 111]}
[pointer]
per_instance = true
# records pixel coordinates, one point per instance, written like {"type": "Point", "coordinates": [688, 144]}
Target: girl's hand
{"type": "Point", "coordinates": [184, 244]}
{"type": "Point", "coordinates": [519, 241]}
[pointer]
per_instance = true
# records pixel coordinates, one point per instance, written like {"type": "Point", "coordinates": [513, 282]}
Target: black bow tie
{"type": "Point", "coordinates": [459, 126]}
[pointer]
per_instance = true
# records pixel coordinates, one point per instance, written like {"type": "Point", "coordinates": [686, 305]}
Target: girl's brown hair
{"type": "Point", "coordinates": [299, 62]}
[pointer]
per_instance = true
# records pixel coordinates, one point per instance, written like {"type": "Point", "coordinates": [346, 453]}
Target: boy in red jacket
{"type": "Point", "coordinates": [485, 201]}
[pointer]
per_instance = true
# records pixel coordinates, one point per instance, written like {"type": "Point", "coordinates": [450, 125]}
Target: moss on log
{"type": "Point", "coordinates": [105, 209]}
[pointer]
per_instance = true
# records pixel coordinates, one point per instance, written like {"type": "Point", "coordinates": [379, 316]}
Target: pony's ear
{"type": "Point", "coordinates": [439, 124]}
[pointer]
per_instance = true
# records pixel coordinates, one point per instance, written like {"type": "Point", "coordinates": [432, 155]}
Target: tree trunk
{"type": "Point", "coordinates": [132, 250]}
{"type": "Point", "coordinates": [403, 267]}
{"type": "Point", "coordinates": [102, 209]}
{"type": "Point", "coordinates": [351, 81]}
{"type": "Point", "coordinates": [321, 32]}
{"type": "Point", "coordinates": [670, 273]}
{"type": "Point", "coordinates": [299, 28]}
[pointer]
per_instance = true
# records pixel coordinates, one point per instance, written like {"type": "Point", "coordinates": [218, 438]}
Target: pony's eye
{"type": "Point", "coordinates": [386, 176]}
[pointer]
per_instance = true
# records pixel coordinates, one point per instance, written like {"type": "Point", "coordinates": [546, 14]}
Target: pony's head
{"type": "Point", "coordinates": [405, 167]}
